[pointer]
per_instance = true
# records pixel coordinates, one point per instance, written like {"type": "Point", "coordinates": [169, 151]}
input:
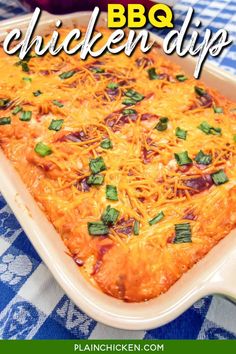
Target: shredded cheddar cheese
{"type": "Point", "coordinates": [95, 142]}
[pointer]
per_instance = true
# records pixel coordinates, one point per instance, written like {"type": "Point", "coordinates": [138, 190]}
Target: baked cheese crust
{"type": "Point", "coordinates": [133, 162]}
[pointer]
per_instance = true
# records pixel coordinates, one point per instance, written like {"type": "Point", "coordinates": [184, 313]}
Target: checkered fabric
{"type": "Point", "coordinates": [32, 304]}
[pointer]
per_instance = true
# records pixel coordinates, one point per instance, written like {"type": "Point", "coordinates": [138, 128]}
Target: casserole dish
{"type": "Point", "coordinates": [206, 277]}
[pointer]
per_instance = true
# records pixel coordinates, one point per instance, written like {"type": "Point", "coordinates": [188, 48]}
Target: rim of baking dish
{"type": "Point", "coordinates": [213, 274]}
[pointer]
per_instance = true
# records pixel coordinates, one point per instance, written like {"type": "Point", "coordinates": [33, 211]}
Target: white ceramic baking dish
{"type": "Point", "coordinates": [214, 274]}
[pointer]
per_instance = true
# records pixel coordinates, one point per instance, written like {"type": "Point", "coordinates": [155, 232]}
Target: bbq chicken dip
{"type": "Point", "coordinates": [132, 161]}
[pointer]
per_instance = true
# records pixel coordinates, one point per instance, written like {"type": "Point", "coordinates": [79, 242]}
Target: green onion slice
{"type": "Point", "coordinates": [106, 144]}
{"type": "Point", "coordinates": [26, 116]}
{"type": "Point", "coordinates": [37, 93]}
{"type": "Point", "coordinates": [27, 79]}
{"type": "Point", "coordinates": [5, 120]}
{"type": "Point", "coordinates": [181, 133]}
{"type": "Point", "coordinates": [95, 180]}
{"type": "Point", "coordinates": [67, 74]}
{"type": "Point", "coordinates": [152, 74]}
{"type": "Point", "coordinates": [16, 110]}
{"type": "Point", "coordinates": [111, 192]}
{"type": "Point", "coordinates": [218, 109]}
{"type": "Point", "coordinates": [23, 64]}
{"type": "Point", "coordinates": [58, 103]}
{"type": "Point", "coordinates": [136, 228]}
{"type": "Point", "coordinates": [110, 216]}
{"type": "Point", "coordinates": [162, 124]}
{"type": "Point", "coordinates": [97, 165]}
{"type": "Point", "coordinates": [98, 70]}
{"type": "Point", "coordinates": [112, 86]}
{"type": "Point", "coordinates": [136, 96]}
{"type": "Point", "coordinates": [128, 101]}
{"type": "Point", "coordinates": [157, 218]}
{"type": "Point", "coordinates": [219, 177]}
{"type": "Point", "coordinates": [56, 124]}
{"type": "Point", "coordinates": [206, 128]}
{"type": "Point", "coordinates": [181, 78]}
{"type": "Point", "coordinates": [183, 233]}
{"type": "Point", "coordinates": [42, 149]}
{"type": "Point", "coordinates": [182, 158]}
{"type": "Point", "coordinates": [203, 159]}
{"type": "Point", "coordinates": [97, 228]}
{"type": "Point", "coordinates": [129, 111]}
{"type": "Point", "coordinates": [25, 67]}
{"type": "Point", "coordinates": [215, 131]}
{"type": "Point", "coordinates": [199, 91]}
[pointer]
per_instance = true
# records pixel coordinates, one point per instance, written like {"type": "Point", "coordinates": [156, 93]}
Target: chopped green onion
{"type": "Point", "coordinates": [152, 74]}
{"type": "Point", "coordinates": [95, 180]}
{"type": "Point", "coordinates": [58, 103]}
{"type": "Point", "coordinates": [157, 218]}
{"type": "Point", "coordinates": [111, 192]}
{"type": "Point", "coordinates": [5, 120]}
{"type": "Point", "coordinates": [138, 97]}
{"type": "Point", "coordinates": [37, 93]}
{"type": "Point", "coordinates": [215, 131]}
{"type": "Point", "coordinates": [25, 67]}
{"type": "Point", "coordinates": [106, 144]}
{"type": "Point", "coordinates": [97, 165]}
{"type": "Point", "coordinates": [23, 64]}
{"type": "Point", "coordinates": [203, 159]}
{"type": "Point", "coordinates": [129, 111]}
{"type": "Point", "coordinates": [182, 158]}
{"type": "Point", "coordinates": [181, 133]}
{"type": "Point", "coordinates": [199, 91]}
{"type": "Point", "coordinates": [56, 124]}
{"type": "Point", "coordinates": [162, 124]}
{"type": "Point", "coordinates": [112, 85]}
{"type": "Point", "coordinates": [16, 110]}
{"type": "Point", "coordinates": [4, 102]}
{"type": "Point", "coordinates": [128, 101]}
{"type": "Point", "coordinates": [206, 128]}
{"type": "Point", "coordinates": [134, 95]}
{"type": "Point", "coordinates": [98, 70]}
{"type": "Point", "coordinates": [26, 116]}
{"type": "Point", "coordinates": [181, 78]}
{"type": "Point", "coordinates": [27, 79]}
{"type": "Point", "coordinates": [183, 233]}
{"type": "Point", "coordinates": [219, 177]}
{"type": "Point", "coordinates": [218, 109]}
{"type": "Point", "coordinates": [97, 228]}
{"type": "Point", "coordinates": [42, 149]}
{"type": "Point", "coordinates": [67, 74]}
{"type": "Point", "coordinates": [110, 216]}
{"type": "Point", "coordinates": [136, 228]}
{"type": "Point", "coordinates": [130, 93]}
{"type": "Point", "coordinates": [234, 137]}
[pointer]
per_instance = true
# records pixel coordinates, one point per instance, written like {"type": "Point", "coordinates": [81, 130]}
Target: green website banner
{"type": "Point", "coordinates": [117, 346]}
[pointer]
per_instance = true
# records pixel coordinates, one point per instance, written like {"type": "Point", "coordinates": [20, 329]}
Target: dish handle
{"type": "Point", "coordinates": [224, 279]}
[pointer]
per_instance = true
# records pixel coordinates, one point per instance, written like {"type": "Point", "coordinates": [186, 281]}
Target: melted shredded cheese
{"type": "Point", "coordinates": [141, 163]}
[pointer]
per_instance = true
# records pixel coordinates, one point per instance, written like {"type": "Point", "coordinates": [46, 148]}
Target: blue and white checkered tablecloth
{"type": "Point", "coordinates": [32, 304]}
